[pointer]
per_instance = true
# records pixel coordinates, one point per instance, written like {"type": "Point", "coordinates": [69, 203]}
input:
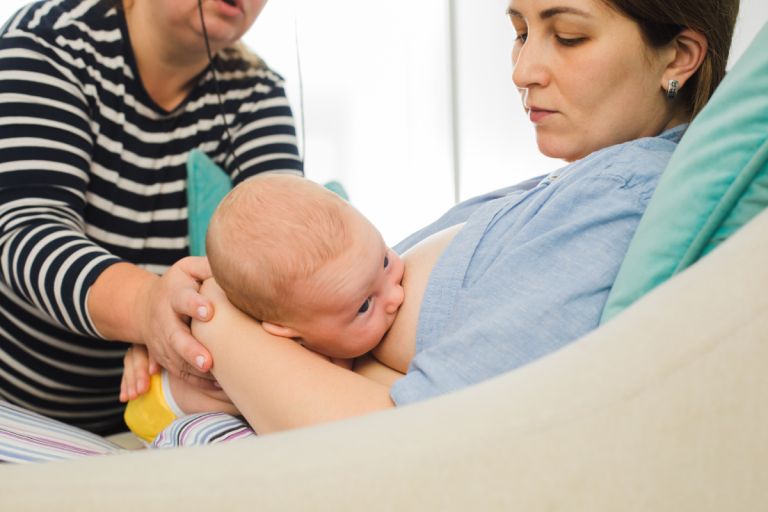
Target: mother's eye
{"type": "Point", "coordinates": [365, 306]}
{"type": "Point", "coordinates": [570, 42]}
{"type": "Point", "coordinates": [386, 261]}
{"type": "Point", "coordinates": [522, 37]}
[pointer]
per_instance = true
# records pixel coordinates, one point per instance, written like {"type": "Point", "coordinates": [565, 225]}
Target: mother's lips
{"type": "Point", "coordinates": [537, 115]}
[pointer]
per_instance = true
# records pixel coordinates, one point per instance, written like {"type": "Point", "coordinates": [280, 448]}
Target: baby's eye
{"type": "Point", "coordinates": [386, 261]}
{"type": "Point", "coordinates": [365, 306]}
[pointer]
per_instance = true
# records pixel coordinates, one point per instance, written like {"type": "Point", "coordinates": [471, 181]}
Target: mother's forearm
{"type": "Point", "coordinates": [278, 384]}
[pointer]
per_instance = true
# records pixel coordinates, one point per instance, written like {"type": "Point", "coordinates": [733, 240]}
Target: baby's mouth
{"type": "Point", "coordinates": [230, 2]}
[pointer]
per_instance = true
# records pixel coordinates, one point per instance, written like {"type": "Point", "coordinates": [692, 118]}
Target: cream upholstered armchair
{"type": "Point", "coordinates": [663, 408]}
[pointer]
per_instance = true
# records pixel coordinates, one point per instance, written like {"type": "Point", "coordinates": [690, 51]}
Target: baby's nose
{"type": "Point", "coordinates": [396, 298]}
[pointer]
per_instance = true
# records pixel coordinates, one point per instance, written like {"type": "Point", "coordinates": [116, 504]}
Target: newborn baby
{"type": "Point", "coordinates": [307, 264]}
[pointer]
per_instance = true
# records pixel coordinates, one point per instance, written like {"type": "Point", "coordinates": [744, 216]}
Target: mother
{"type": "Point", "coordinates": [100, 103]}
{"type": "Point", "coordinates": [530, 272]}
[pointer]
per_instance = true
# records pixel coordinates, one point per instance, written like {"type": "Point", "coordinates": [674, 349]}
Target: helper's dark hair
{"type": "Point", "coordinates": [660, 21]}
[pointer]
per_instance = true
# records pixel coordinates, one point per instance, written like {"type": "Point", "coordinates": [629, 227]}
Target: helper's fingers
{"type": "Point", "coordinates": [190, 351]}
{"type": "Point", "coordinates": [128, 384]}
{"type": "Point", "coordinates": [141, 368]}
{"type": "Point", "coordinates": [154, 366]}
{"type": "Point", "coordinates": [197, 268]}
{"type": "Point", "coordinates": [187, 302]}
{"type": "Point", "coordinates": [123, 389]}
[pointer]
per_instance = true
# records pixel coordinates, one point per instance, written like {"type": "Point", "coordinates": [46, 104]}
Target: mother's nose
{"type": "Point", "coordinates": [529, 67]}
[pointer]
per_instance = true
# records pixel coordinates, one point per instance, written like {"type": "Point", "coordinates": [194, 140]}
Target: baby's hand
{"type": "Point", "coordinates": [192, 399]}
{"type": "Point", "coordinates": [137, 366]}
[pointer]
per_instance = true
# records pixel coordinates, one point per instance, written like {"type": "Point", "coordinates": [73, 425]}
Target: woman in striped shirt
{"type": "Point", "coordinates": [100, 103]}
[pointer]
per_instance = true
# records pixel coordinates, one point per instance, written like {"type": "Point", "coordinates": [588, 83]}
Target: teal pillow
{"type": "Point", "coordinates": [207, 184]}
{"type": "Point", "coordinates": [716, 181]}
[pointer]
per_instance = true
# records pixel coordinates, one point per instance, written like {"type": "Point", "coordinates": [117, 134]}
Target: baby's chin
{"type": "Point", "coordinates": [362, 347]}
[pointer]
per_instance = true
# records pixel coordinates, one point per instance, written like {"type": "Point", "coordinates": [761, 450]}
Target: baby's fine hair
{"type": "Point", "coordinates": [269, 233]}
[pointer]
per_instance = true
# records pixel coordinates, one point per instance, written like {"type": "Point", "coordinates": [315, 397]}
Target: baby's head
{"type": "Point", "coordinates": [306, 263]}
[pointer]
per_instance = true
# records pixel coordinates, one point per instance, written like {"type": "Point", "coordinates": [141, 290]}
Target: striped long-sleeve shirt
{"type": "Point", "coordinates": [93, 172]}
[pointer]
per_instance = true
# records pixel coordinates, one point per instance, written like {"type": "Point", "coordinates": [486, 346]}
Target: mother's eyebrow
{"type": "Point", "coordinates": [563, 10]}
{"type": "Point", "coordinates": [554, 11]}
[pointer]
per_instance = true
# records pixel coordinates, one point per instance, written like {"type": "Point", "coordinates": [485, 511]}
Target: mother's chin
{"type": "Point", "coordinates": [569, 144]}
{"type": "Point", "coordinates": [559, 136]}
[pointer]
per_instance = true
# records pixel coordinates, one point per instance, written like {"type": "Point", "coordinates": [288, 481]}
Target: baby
{"type": "Point", "coordinates": [307, 264]}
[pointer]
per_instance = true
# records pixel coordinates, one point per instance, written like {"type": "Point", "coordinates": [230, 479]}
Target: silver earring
{"type": "Point", "coordinates": [672, 91]}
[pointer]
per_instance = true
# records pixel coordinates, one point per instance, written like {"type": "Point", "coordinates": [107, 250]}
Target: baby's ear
{"type": "Point", "coordinates": [280, 330]}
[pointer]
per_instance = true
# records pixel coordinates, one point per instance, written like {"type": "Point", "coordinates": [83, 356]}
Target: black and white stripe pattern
{"type": "Point", "coordinates": [93, 172]}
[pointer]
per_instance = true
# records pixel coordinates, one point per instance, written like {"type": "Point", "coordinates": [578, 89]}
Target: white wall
{"type": "Point", "coordinates": [753, 14]}
{"type": "Point", "coordinates": [377, 101]}
{"type": "Point", "coordinates": [377, 94]}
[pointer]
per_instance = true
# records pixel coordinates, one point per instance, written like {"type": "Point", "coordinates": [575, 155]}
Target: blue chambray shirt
{"type": "Point", "coordinates": [530, 272]}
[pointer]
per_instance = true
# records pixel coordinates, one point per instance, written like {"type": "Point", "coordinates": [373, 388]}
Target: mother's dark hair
{"type": "Point", "coordinates": [661, 21]}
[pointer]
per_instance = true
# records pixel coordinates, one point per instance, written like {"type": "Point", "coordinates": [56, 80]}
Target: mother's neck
{"type": "Point", "coordinates": [678, 119]}
{"type": "Point", "coordinates": [167, 67]}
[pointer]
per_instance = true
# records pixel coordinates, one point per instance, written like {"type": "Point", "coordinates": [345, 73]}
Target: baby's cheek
{"type": "Point", "coordinates": [382, 327]}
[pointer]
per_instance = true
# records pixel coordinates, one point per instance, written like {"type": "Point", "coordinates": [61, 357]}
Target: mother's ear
{"type": "Point", "coordinates": [280, 330]}
{"type": "Point", "coordinates": [683, 56]}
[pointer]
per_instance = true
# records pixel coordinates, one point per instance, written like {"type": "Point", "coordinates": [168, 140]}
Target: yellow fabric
{"type": "Point", "coordinates": [149, 414]}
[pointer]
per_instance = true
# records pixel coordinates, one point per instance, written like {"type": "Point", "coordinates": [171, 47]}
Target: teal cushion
{"type": "Point", "coordinates": [207, 184]}
{"type": "Point", "coordinates": [716, 181]}
{"type": "Point", "coordinates": [335, 186]}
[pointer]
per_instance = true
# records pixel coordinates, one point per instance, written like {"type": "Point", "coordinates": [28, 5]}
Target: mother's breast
{"type": "Point", "coordinates": [399, 344]}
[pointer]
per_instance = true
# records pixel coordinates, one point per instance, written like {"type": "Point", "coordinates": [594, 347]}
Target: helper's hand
{"type": "Point", "coordinates": [137, 366]}
{"type": "Point", "coordinates": [165, 307]}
